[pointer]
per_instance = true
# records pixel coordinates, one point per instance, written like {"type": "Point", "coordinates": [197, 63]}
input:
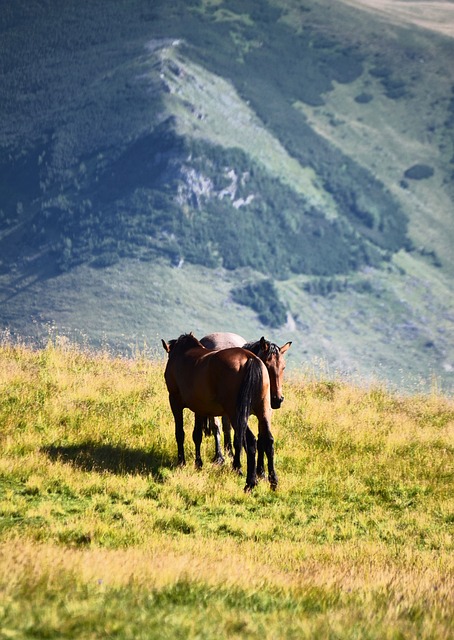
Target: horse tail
{"type": "Point", "coordinates": [252, 381]}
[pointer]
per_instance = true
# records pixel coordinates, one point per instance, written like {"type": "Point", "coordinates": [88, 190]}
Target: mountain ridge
{"type": "Point", "coordinates": [195, 139]}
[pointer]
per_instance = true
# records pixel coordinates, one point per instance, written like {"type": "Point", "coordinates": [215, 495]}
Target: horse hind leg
{"type": "Point", "coordinates": [251, 451]}
{"type": "Point", "coordinates": [237, 446]}
{"type": "Point", "coordinates": [266, 445]}
{"type": "Point", "coordinates": [260, 457]}
{"type": "Point", "coordinates": [199, 426]}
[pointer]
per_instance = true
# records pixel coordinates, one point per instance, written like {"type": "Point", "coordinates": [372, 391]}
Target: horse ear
{"type": "Point", "coordinates": [166, 346]}
{"type": "Point", "coordinates": [264, 345]}
{"type": "Point", "coordinates": [285, 347]}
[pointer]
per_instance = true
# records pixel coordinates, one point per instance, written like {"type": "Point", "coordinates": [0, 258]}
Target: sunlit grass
{"type": "Point", "coordinates": [102, 535]}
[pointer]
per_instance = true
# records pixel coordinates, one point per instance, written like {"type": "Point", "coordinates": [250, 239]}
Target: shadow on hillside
{"type": "Point", "coordinates": [95, 457]}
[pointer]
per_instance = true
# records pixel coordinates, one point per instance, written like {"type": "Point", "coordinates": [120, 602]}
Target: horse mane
{"type": "Point", "coordinates": [185, 338]}
{"type": "Point", "coordinates": [252, 346]}
{"type": "Point", "coordinates": [256, 348]}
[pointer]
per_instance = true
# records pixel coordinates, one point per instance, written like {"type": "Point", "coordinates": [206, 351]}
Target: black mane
{"type": "Point", "coordinates": [185, 338]}
{"type": "Point", "coordinates": [257, 350]}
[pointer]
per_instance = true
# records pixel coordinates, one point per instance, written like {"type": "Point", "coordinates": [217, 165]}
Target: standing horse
{"type": "Point", "coordinates": [267, 351]}
{"type": "Point", "coordinates": [273, 358]}
{"type": "Point", "coordinates": [232, 382]}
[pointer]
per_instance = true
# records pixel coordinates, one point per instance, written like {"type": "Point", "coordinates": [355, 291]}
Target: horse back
{"type": "Point", "coordinates": [221, 340]}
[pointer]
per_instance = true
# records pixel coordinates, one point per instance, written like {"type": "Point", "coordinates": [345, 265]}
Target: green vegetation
{"type": "Point", "coordinates": [328, 286]}
{"type": "Point", "coordinates": [419, 172]}
{"type": "Point", "coordinates": [102, 535]}
{"type": "Point", "coordinates": [263, 298]}
{"type": "Point", "coordinates": [393, 86]}
{"type": "Point", "coordinates": [95, 170]}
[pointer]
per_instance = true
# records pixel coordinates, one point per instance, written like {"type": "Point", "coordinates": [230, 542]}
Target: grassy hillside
{"type": "Point", "coordinates": [101, 534]}
{"type": "Point", "coordinates": [305, 144]}
{"type": "Point", "coordinates": [433, 16]}
{"type": "Point", "coordinates": [392, 327]}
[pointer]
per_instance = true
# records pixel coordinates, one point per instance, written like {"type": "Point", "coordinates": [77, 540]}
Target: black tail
{"type": "Point", "coordinates": [252, 382]}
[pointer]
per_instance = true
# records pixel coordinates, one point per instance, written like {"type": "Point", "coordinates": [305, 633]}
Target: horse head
{"type": "Point", "coordinates": [272, 356]}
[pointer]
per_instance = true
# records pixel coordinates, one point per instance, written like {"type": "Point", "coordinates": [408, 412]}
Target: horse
{"type": "Point", "coordinates": [232, 382]}
{"type": "Point", "coordinates": [272, 357]}
{"type": "Point", "coordinates": [267, 351]}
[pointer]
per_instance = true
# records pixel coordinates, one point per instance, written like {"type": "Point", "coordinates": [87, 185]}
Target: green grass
{"type": "Point", "coordinates": [101, 535]}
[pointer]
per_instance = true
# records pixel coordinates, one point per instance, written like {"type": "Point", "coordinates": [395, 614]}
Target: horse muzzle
{"type": "Point", "coordinates": [276, 401]}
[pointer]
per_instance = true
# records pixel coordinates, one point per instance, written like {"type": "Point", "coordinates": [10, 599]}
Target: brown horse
{"type": "Point", "coordinates": [232, 382]}
{"type": "Point", "coordinates": [273, 358]}
{"type": "Point", "coordinates": [267, 351]}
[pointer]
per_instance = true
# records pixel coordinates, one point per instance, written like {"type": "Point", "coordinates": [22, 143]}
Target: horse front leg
{"type": "Point", "coordinates": [215, 429]}
{"type": "Point", "coordinates": [227, 431]}
{"type": "Point", "coordinates": [179, 430]}
{"type": "Point", "coordinates": [199, 424]}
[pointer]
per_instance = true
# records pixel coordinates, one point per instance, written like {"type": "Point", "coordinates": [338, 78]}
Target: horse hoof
{"type": "Point", "coordinates": [250, 484]}
{"type": "Point", "coordinates": [198, 464]}
{"type": "Point", "coordinates": [238, 472]}
{"type": "Point", "coordinates": [261, 475]}
{"type": "Point", "coordinates": [218, 460]}
{"type": "Point", "coordinates": [248, 488]}
{"type": "Point", "coordinates": [273, 482]}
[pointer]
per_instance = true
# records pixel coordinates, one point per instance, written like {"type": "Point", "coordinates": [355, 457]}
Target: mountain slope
{"type": "Point", "coordinates": [305, 143]}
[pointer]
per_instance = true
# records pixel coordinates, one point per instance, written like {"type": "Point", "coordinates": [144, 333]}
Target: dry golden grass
{"type": "Point", "coordinates": [101, 535]}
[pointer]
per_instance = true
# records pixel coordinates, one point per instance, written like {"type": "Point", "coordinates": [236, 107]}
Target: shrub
{"type": "Point", "coordinates": [264, 299]}
{"type": "Point", "coordinates": [363, 98]}
{"type": "Point", "coordinates": [419, 172]}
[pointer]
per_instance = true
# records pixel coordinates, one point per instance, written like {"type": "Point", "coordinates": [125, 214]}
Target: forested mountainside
{"type": "Point", "coordinates": [292, 162]}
